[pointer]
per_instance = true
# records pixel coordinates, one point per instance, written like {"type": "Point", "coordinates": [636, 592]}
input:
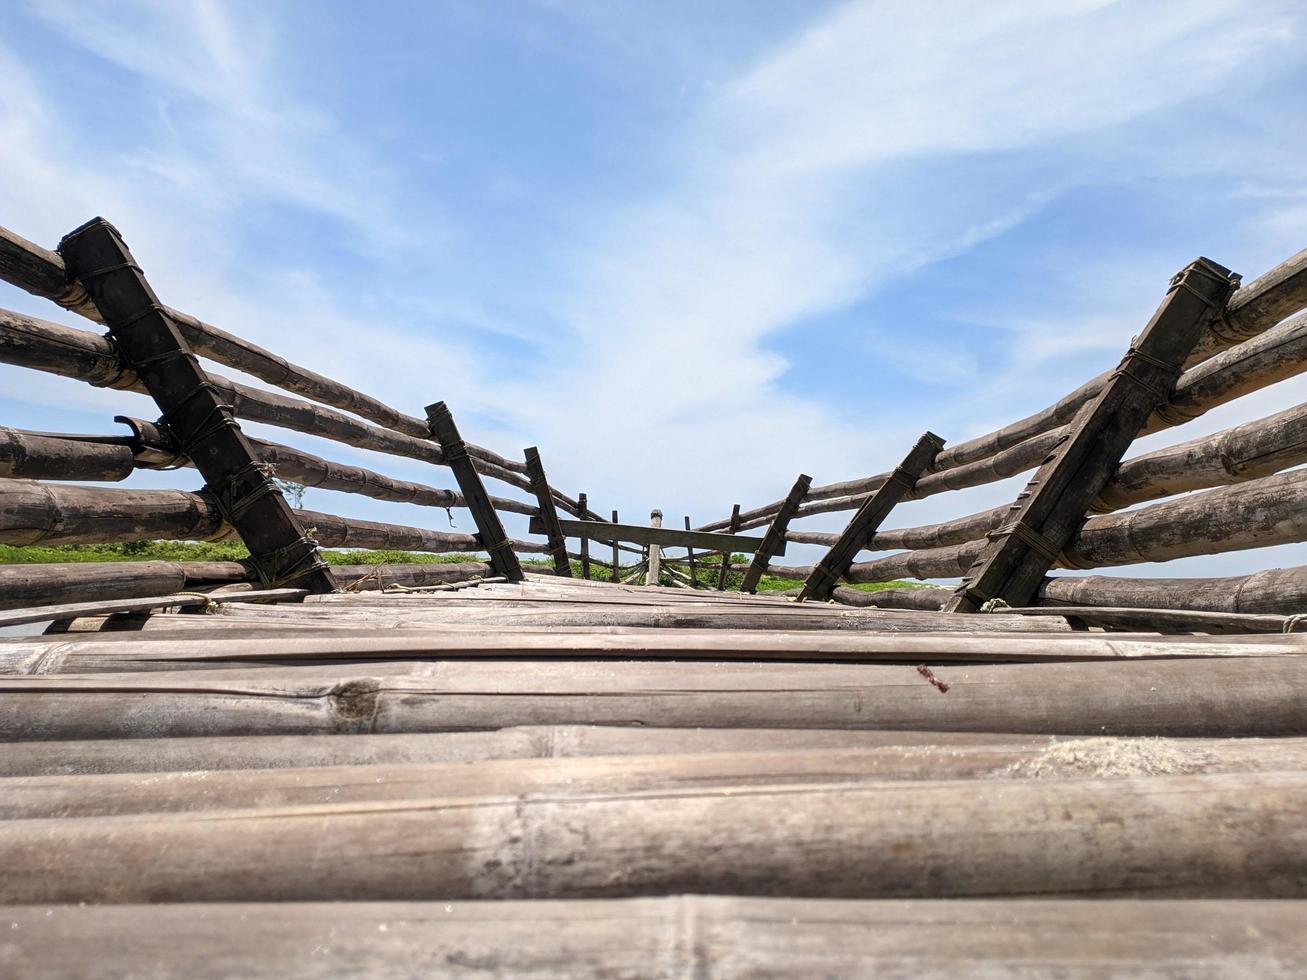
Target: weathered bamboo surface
{"type": "Point", "coordinates": [168, 649]}
{"type": "Point", "coordinates": [192, 791]}
{"type": "Point", "coordinates": [892, 754]}
{"type": "Point", "coordinates": [1254, 514]}
{"type": "Point", "coordinates": [463, 748]}
{"type": "Point", "coordinates": [22, 586]}
{"type": "Point", "coordinates": [1203, 697]}
{"type": "Point", "coordinates": [1245, 452]}
{"type": "Point", "coordinates": [38, 513]}
{"type": "Point", "coordinates": [30, 342]}
{"type": "Point", "coordinates": [673, 937]}
{"type": "Point", "coordinates": [1276, 591]}
{"type": "Point", "coordinates": [47, 456]}
{"type": "Point", "coordinates": [1227, 835]}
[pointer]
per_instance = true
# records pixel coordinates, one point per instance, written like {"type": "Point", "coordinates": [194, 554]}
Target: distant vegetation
{"type": "Point", "coordinates": [708, 565]}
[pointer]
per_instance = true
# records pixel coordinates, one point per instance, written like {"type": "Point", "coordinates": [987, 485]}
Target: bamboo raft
{"type": "Point", "coordinates": [272, 767]}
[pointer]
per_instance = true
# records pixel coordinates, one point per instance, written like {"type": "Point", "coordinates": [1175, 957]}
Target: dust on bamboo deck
{"type": "Point", "coordinates": [559, 777]}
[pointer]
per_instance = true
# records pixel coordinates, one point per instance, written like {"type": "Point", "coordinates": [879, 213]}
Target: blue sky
{"type": "Point", "coordinates": [689, 250]}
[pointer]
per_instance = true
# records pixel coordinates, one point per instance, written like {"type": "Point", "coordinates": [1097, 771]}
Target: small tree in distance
{"type": "Point", "coordinates": [294, 492]}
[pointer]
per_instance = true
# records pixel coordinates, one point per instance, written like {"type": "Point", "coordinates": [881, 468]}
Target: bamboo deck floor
{"type": "Point", "coordinates": [564, 778]}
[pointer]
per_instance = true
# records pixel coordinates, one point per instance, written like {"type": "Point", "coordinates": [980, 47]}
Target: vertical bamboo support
{"type": "Point", "coordinates": [280, 550]}
{"type": "Point", "coordinates": [489, 528]}
{"type": "Point", "coordinates": [774, 539]}
{"type": "Point", "coordinates": [694, 573]}
{"type": "Point", "coordinates": [858, 533]}
{"type": "Point", "coordinates": [583, 506]}
{"type": "Point", "coordinates": [655, 553]}
{"type": "Point", "coordinates": [1051, 509]}
{"type": "Point", "coordinates": [726, 555]}
{"type": "Point", "coordinates": [535, 470]}
{"type": "Point", "coordinates": [617, 557]}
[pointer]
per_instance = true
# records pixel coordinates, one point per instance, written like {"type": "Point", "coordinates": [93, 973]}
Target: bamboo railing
{"type": "Point", "coordinates": [313, 404]}
{"type": "Point", "coordinates": [1238, 487]}
{"type": "Point", "coordinates": [1245, 498]}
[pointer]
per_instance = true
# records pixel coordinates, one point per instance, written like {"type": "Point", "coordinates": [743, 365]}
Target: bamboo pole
{"type": "Point", "coordinates": [1212, 836]}
{"type": "Point", "coordinates": [23, 586]}
{"type": "Point", "coordinates": [655, 552]}
{"type": "Point", "coordinates": [1245, 452]}
{"type": "Point", "coordinates": [1205, 697]}
{"type": "Point", "coordinates": [155, 448]}
{"type": "Point", "coordinates": [50, 456]}
{"type": "Point", "coordinates": [197, 790]}
{"type": "Point", "coordinates": [36, 513]}
{"type": "Point", "coordinates": [29, 342]}
{"type": "Point", "coordinates": [672, 936]}
{"type": "Point", "coordinates": [887, 755]}
{"type": "Point", "coordinates": [582, 506]}
{"type": "Point", "coordinates": [617, 557]}
{"type": "Point", "coordinates": [1277, 591]}
{"type": "Point", "coordinates": [1254, 514]}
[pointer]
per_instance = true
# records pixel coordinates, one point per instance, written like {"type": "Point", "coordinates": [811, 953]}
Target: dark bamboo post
{"type": "Point", "coordinates": [827, 573]}
{"type": "Point", "coordinates": [489, 528]}
{"type": "Point", "coordinates": [617, 557]}
{"type": "Point", "coordinates": [725, 570]}
{"type": "Point", "coordinates": [1051, 509]}
{"type": "Point", "coordinates": [582, 504]}
{"type": "Point", "coordinates": [280, 550]}
{"type": "Point", "coordinates": [535, 471]}
{"type": "Point", "coordinates": [694, 574]}
{"type": "Point", "coordinates": [775, 536]}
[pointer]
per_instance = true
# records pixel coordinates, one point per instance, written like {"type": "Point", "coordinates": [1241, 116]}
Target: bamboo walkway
{"type": "Point", "coordinates": [556, 777]}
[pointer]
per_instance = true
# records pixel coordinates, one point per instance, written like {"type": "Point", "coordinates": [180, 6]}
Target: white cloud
{"type": "Point", "coordinates": [882, 137]}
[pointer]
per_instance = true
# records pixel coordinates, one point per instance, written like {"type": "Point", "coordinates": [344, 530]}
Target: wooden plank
{"type": "Point", "coordinates": [667, 537]}
{"type": "Point", "coordinates": [280, 550]}
{"type": "Point", "coordinates": [671, 936]}
{"type": "Point", "coordinates": [1236, 834]}
{"type": "Point", "coordinates": [548, 516]}
{"type": "Point", "coordinates": [689, 555]}
{"type": "Point", "coordinates": [733, 525]}
{"type": "Point", "coordinates": [653, 575]}
{"type": "Point", "coordinates": [489, 528]}
{"type": "Point", "coordinates": [835, 564]}
{"type": "Point", "coordinates": [773, 542]}
{"type": "Point", "coordinates": [1051, 509]}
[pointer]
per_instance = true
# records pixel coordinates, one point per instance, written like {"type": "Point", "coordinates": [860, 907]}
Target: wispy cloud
{"type": "Point", "coordinates": [652, 332]}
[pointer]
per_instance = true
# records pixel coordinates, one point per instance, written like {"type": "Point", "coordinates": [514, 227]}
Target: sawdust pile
{"type": "Point", "coordinates": [1107, 757]}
